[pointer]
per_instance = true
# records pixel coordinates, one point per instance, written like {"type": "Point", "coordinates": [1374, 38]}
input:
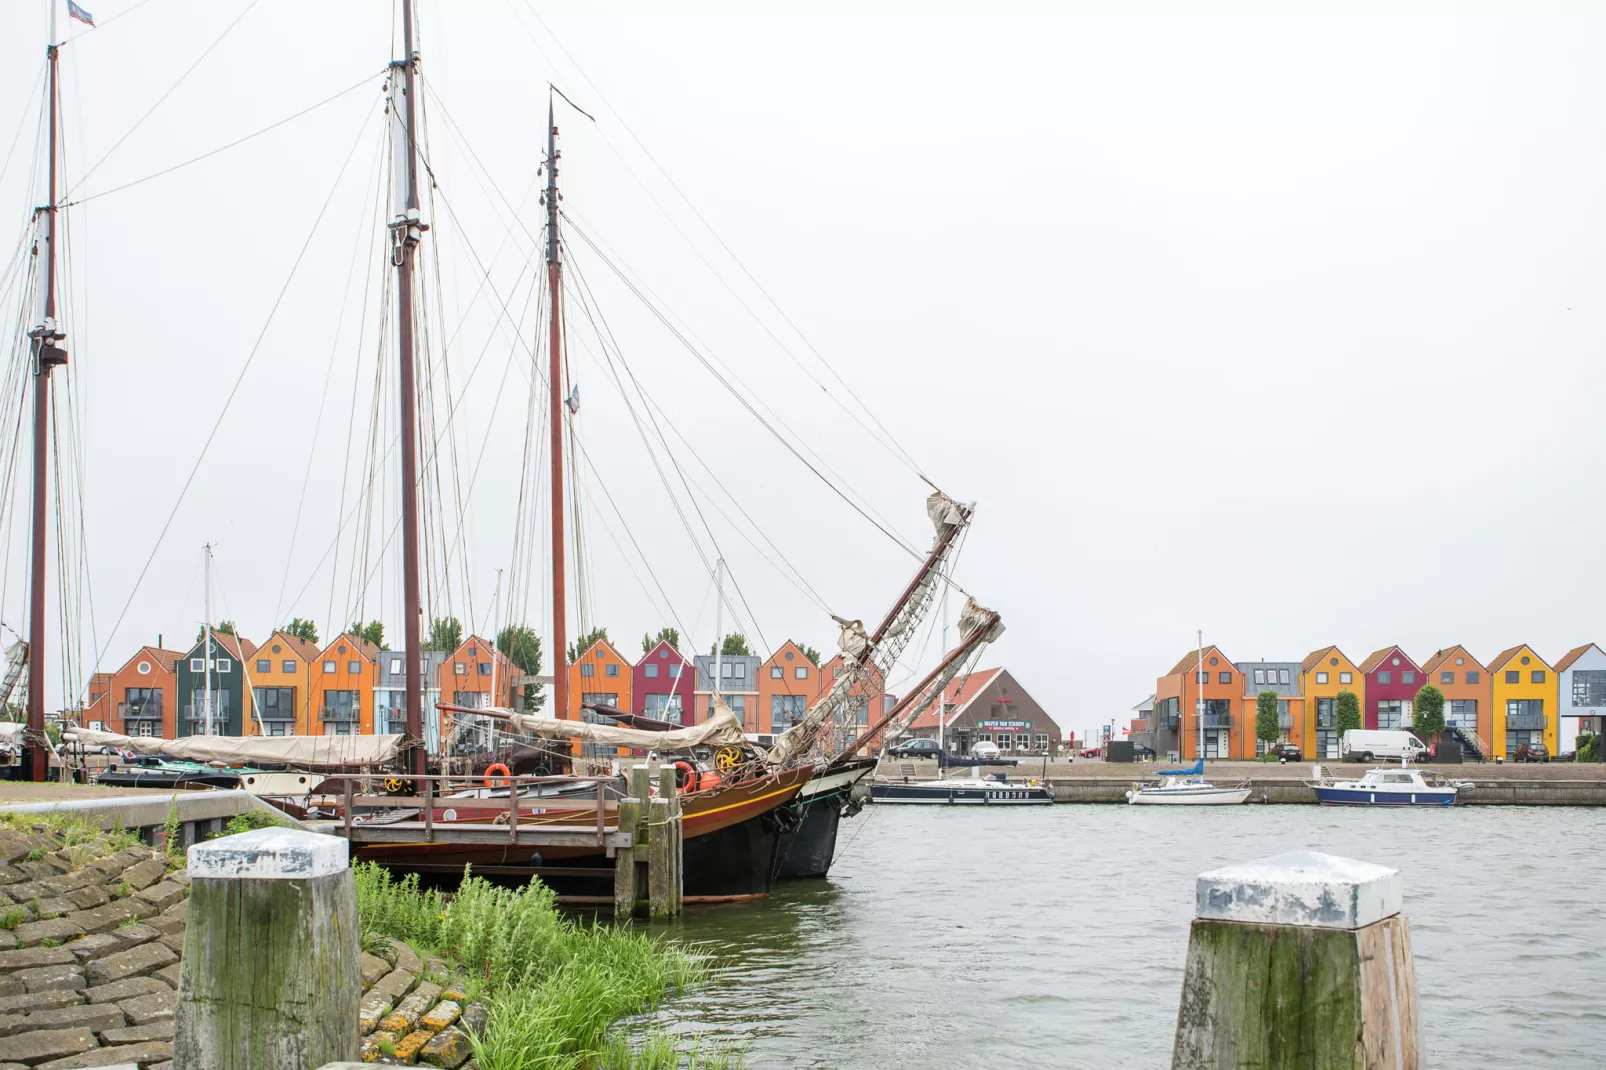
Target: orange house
{"type": "Point", "coordinates": [788, 684]}
{"type": "Point", "coordinates": [1465, 683]}
{"type": "Point", "coordinates": [477, 674]}
{"type": "Point", "coordinates": [141, 698]}
{"type": "Point", "coordinates": [1176, 703]}
{"type": "Point", "coordinates": [601, 677]}
{"type": "Point", "coordinates": [1326, 672]}
{"type": "Point", "coordinates": [343, 680]}
{"type": "Point", "coordinates": [281, 686]}
{"type": "Point", "coordinates": [96, 712]}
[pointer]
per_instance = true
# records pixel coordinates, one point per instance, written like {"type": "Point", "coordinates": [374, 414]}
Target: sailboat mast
{"type": "Point", "coordinates": [47, 354]}
{"type": "Point", "coordinates": [1199, 682]}
{"type": "Point", "coordinates": [406, 226]}
{"type": "Point", "coordinates": [554, 277]}
{"type": "Point", "coordinates": [206, 631]}
{"type": "Point", "coordinates": [719, 632]}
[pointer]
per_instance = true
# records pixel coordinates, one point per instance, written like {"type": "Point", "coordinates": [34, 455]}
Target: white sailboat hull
{"type": "Point", "coordinates": [1202, 796]}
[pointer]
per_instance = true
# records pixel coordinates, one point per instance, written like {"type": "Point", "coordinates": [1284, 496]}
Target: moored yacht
{"type": "Point", "coordinates": [1185, 787]}
{"type": "Point", "coordinates": [1390, 786]}
{"type": "Point", "coordinates": [990, 790]}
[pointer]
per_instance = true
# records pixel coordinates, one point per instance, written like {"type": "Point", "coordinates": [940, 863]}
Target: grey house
{"type": "Point", "coordinates": [1282, 677]}
{"type": "Point", "coordinates": [738, 686]}
{"type": "Point", "coordinates": [390, 694]}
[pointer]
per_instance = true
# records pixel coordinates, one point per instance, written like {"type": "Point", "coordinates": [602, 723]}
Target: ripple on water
{"type": "Point", "coordinates": [1055, 936]}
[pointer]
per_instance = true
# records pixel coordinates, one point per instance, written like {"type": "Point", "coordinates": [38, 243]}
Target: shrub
{"type": "Point", "coordinates": [1267, 727]}
{"type": "Point", "coordinates": [252, 820]}
{"type": "Point", "coordinates": [1346, 712]}
{"type": "Point", "coordinates": [1427, 715]}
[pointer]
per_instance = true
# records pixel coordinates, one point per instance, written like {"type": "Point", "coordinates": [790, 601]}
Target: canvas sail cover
{"type": "Point", "coordinates": [302, 751]}
{"type": "Point", "coordinates": [720, 730]}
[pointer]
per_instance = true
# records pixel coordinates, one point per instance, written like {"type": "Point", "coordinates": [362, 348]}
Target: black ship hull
{"type": "Point", "coordinates": [809, 849]}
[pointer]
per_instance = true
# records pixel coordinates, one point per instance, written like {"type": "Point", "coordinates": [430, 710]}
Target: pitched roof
{"type": "Point", "coordinates": [1376, 658]}
{"type": "Point", "coordinates": [304, 649]}
{"type": "Point", "coordinates": [959, 694]}
{"type": "Point", "coordinates": [665, 643]}
{"type": "Point", "coordinates": [1433, 663]}
{"type": "Point", "coordinates": [167, 659]}
{"type": "Point", "coordinates": [1573, 655]}
{"type": "Point", "coordinates": [364, 647]}
{"type": "Point", "coordinates": [1314, 658]}
{"type": "Point", "coordinates": [1506, 655]}
{"type": "Point", "coordinates": [240, 648]}
{"type": "Point", "coordinates": [1191, 661]}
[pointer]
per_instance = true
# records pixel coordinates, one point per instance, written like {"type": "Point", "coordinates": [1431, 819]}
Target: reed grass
{"type": "Point", "coordinates": [554, 985]}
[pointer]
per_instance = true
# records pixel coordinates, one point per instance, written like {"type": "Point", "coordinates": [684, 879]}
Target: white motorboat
{"type": "Point", "coordinates": [1185, 787]}
{"type": "Point", "coordinates": [1389, 786]}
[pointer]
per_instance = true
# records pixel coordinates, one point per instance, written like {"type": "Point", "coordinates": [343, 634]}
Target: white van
{"type": "Point", "coordinates": [1360, 745]}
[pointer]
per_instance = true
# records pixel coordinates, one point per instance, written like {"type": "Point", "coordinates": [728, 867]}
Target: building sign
{"type": "Point", "coordinates": [1004, 726]}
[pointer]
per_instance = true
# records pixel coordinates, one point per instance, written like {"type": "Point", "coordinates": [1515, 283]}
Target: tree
{"type": "Point", "coordinates": [735, 646]}
{"type": "Point", "coordinates": [1346, 713]}
{"type": "Point", "coordinates": [301, 629]}
{"type": "Point", "coordinates": [808, 652]}
{"type": "Point", "coordinates": [583, 643]}
{"type": "Point", "coordinates": [1267, 727]}
{"type": "Point", "coordinates": [445, 634]}
{"type": "Point", "coordinates": [1428, 711]}
{"type": "Point", "coordinates": [523, 648]}
{"type": "Point", "coordinates": [222, 627]}
{"type": "Point", "coordinates": [665, 634]}
{"type": "Point", "coordinates": [373, 631]}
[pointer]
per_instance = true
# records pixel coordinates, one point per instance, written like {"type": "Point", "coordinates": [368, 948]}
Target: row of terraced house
{"type": "Point", "coordinates": [288, 686]}
{"type": "Point", "coordinates": [1492, 708]}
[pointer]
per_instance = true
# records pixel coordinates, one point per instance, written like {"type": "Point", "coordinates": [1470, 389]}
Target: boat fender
{"type": "Point", "coordinates": [491, 771]}
{"type": "Point", "coordinates": [709, 780]}
{"type": "Point", "coordinates": [685, 777]}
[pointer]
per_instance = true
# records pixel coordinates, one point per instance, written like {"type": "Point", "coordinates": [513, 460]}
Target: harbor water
{"type": "Point", "coordinates": [1054, 936]}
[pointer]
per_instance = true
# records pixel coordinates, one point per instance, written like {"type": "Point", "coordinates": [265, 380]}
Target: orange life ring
{"type": "Point", "coordinates": [496, 767]}
{"type": "Point", "coordinates": [685, 777]}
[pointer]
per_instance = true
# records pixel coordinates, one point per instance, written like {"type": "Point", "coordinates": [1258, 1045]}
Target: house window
{"type": "Point", "coordinates": [776, 672]}
{"type": "Point", "coordinates": [1474, 676]}
{"type": "Point", "coordinates": [264, 665]}
{"type": "Point", "coordinates": [144, 668]}
{"type": "Point", "coordinates": [1463, 713]}
{"type": "Point", "coordinates": [1260, 676]}
{"type": "Point", "coordinates": [663, 707]}
{"type": "Point", "coordinates": [1346, 677]}
{"type": "Point", "coordinates": [485, 669]}
{"type": "Point", "coordinates": [663, 653]}
{"type": "Point", "coordinates": [1224, 677]}
{"type": "Point", "coordinates": [340, 649]}
{"type": "Point", "coordinates": [651, 671]}
{"type": "Point", "coordinates": [1407, 677]}
{"type": "Point", "coordinates": [1460, 661]}
{"type": "Point", "coordinates": [801, 672]}
{"type": "Point", "coordinates": [1202, 678]}
{"type": "Point", "coordinates": [788, 655]}
{"type": "Point", "coordinates": [287, 665]}
{"type": "Point", "coordinates": [728, 671]}
{"type": "Point", "coordinates": [277, 648]}
{"type": "Point", "coordinates": [586, 669]}
{"type": "Point", "coordinates": [1390, 713]}
{"type": "Point", "coordinates": [395, 666]}
{"type": "Point", "coordinates": [197, 665]}
{"type": "Point", "coordinates": [785, 711]}
{"type": "Point", "coordinates": [328, 666]}
{"type": "Point", "coordinates": [1538, 676]}
{"type": "Point", "coordinates": [459, 669]}
{"type": "Point", "coordinates": [1513, 676]}
{"type": "Point", "coordinates": [674, 672]}
{"type": "Point", "coordinates": [1385, 677]}
{"type": "Point", "coordinates": [1589, 687]}
{"type": "Point", "coordinates": [1396, 661]}
{"type": "Point", "coordinates": [1282, 676]}
{"type": "Point", "coordinates": [1447, 678]}
{"type": "Point", "coordinates": [224, 665]}
{"type": "Point", "coordinates": [610, 670]}
{"type": "Point", "coordinates": [1321, 678]}
{"type": "Point", "coordinates": [354, 666]}
{"type": "Point", "coordinates": [1526, 659]}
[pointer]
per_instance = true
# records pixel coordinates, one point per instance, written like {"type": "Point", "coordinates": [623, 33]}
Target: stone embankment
{"type": "Point", "coordinates": [91, 940]}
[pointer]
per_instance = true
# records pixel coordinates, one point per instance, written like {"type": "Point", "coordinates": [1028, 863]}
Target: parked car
{"type": "Point", "coordinates": [1141, 751]}
{"type": "Point", "coordinates": [1531, 752]}
{"type": "Point", "coordinates": [1285, 752]}
{"type": "Point", "coordinates": [914, 748]}
{"type": "Point", "coordinates": [1091, 752]}
{"type": "Point", "coordinates": [985, 750]}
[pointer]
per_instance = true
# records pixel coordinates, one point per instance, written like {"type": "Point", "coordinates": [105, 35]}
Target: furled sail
{"type": "Point", "coordinates": [299, 751]}
{"type": "Point", "coordinates": [722, 729]}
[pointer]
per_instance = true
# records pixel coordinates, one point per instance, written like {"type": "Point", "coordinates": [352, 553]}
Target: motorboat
{"type": "Point", "coordinates": [1185, 787]}
{"type": "Point", "coordinates": [991, 790]}
{"type": "Point", "coordinates": [1400, 785]}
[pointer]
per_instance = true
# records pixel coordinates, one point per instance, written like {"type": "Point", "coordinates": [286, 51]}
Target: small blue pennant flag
{"type": "Point", "coordinates": [76, 12]}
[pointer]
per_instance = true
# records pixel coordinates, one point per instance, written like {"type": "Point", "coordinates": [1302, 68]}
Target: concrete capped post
{"type": "Point", "coordinates": [270, 975]}
{"type": "Point", "coordinates": [1302, 959]}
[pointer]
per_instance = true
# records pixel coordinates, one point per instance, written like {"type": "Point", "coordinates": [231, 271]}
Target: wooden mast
{"type": "Point", "coordinates": [406, 227]}
{"type": "Point", "coordinates": [47, 355]}
{"type": "Point", "coordinates": [554, 276]}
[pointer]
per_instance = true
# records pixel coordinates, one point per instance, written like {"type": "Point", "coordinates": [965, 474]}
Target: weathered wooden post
{"type": "Point", "coordinates": [624, 862]}
{"type": "Point", "coordinates": [660, 897]}
{"type": "Point", "coordinates": [270, 975]}
{"type": "Point", "coordinates": [1299, 960]}
{"type": "Point", "coordinates": [674, 878]}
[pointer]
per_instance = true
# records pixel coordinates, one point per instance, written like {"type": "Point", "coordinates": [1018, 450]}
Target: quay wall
{"type": "Point", "coordinates": [1488, 792]}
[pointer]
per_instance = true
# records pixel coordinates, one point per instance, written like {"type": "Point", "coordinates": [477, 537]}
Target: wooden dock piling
{"type": "Point", "coordinates": [1299, 960]}
{"type": "Point", "coordinates": [624, 861]}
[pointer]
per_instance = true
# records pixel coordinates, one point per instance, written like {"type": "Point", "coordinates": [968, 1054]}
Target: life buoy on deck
{"type": "Point", "coordinates": [685, 777]}
{"type": "Point", "coordinates": [493, 768]}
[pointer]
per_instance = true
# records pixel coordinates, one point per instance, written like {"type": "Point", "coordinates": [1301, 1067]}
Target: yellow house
{"type": "Point", "coordinates": [1323, 674]}
{"type": "Point", "coordinates": [281, 686]}
{"type": "Point", "coordinates": [1523, 701]}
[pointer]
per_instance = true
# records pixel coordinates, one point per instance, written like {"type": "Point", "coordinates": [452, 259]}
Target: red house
{"type": "Point", "coordinates": [1392, 681]}
{"type": "Point", "coordinates": [661, 684]}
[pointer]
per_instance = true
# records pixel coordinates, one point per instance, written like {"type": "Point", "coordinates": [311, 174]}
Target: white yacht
{"type": "Point", "coordinates": [1390, 786]}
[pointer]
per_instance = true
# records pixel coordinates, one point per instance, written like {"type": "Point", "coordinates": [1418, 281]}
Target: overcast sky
{"type": "Point", "coordinates": [1282, 324]}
